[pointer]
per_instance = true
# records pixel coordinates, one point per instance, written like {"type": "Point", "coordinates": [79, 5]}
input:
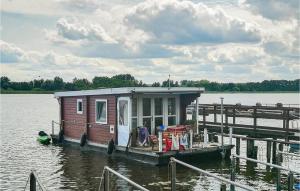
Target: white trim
{"type": "Point", "coordinates": [71, 139]}
{"type": "Point", "coordinates": [101, 100]}
{"type": "Point", "coordinates": [96, 144]}
{"type": "Point", "coordinates": [129, 90]}
{"type": "Point", "coordinates": [88, 142]}
{"type": "Point", "coordinates": [79, 112]}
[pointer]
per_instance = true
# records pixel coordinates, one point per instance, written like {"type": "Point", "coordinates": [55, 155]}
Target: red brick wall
{"type": "Point", "coordinates": [98, 133]}
{"type": "Point", "coordinates": [74, 124]}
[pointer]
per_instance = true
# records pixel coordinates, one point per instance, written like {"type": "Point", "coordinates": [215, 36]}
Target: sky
{"type": "Point", "coordinates": [221, 40]}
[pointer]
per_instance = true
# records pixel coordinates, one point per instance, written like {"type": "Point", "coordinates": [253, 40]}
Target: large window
{"type": "Point", "coordinates": [171, 111]}
{"type": "Point", "coordinates": [101, 111]}
{"type": "Point", "coordinates": [79, 106]}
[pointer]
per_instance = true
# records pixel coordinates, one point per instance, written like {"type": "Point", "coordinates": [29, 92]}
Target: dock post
{"type": "Point", "coordinates": [232, 174]}
{"type": "Point", "coordinates": [205, 136]}
{"type": "Point", "coordinates": [52, 124]}
{"type": "Point", "coordinates": [173, 175]}
{"type": "Point", "coordinates": [278, 179]}
{"type": "Point", "coordinates": [238, 144]}
{"type": "Point", "coordinates": [230, 135]}
{"type": "Point", "coordinates": [222, 130]}
{"type": "Point", "coordinates": [274, 153]}
{"type": "Point", "coordinates": [250, 148]}
{"type": "Point", "coordinates": [268, 151]}
{"type": "Point", "coordinates": [215, 114]}
{"type": "Point", "coordinates": [160, 141]}
{"type": "Point", "coordinates": [32, 182]}
{"type": "Point", "coordinates": [106, 180]}
{"type": "Point", "coordinates": [223, 187]}
{"type": "Point", "coordinates": [290, 181]}
{"type": "Point", "coordinates": [191, 138]}
{"type": "Point", "coordinates": [280, 148]}
{"type": "Point", "coordinates": [197, 115]}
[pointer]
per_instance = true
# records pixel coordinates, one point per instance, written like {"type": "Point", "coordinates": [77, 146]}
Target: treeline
{"type": "Point", "coordinates": [127, 80]}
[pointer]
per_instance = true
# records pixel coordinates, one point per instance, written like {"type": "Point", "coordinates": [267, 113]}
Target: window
{"type": "Point", "coordinates": [171, 111]}
{"type": "Point", "coordinates": [79, 106]}
{"type": "Point", "coordinates": [101, 111]}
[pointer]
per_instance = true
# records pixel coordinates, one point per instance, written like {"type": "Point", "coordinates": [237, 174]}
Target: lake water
{"type": "Point", "coordinates": [70, 168]}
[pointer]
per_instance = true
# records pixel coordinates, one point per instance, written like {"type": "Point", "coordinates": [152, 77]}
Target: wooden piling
{"type": "Point", "coordinates": [254, 153]}
{"type": "Point", "coordinates": [215, 139]}
{"type": "Point", "coordinates": [254, 120]}
{"type": "Point", "coordinates": [274, 153]}
{"type": "Point", "coordinates": [210, 137]}
{"type": "Point", "coordinates": [278, 179]}
{"type": "Point", "coordinates": [290, 181]}
{"type": "Point", "coordinates": [268, 151]}
{"type": "Point", "coordinates": [250, 148]}
{"type": "Point", "coordinates": [173, 175]}
{"type": "Point", "coordinates": [237, 146]}
{"type": "Point", "coordinates": [32, 182]}
{"type": "Point", "coordinates": [232, 173]}
{"type": "Point", "coordinates": [280, 148]}
{"type": "Point", "coordinates": [106, 180]}
{"type": "Point", "coordinates": [215, 114]}
{"type": "Point", "coordinates": [223, 187]}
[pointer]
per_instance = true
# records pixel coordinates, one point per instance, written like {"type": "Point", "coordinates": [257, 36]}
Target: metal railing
{"type": "Point", "coordinates": [34, 181]}
{"type": "Point", "coordinates": [106, 180]}
{"type": "Point", "coordinates": [289, 154]}
{"type": "Point", "coordinates": [173, 162]}
{"type": "Point", "coordinates": [278, 167]}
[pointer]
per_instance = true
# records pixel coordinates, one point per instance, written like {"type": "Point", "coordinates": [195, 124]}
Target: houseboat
{"type": "Point", "coordinates": [142, 123]}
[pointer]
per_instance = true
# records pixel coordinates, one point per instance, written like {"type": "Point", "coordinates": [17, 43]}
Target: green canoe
{"type": "Point", "coordinates": [44, 138]}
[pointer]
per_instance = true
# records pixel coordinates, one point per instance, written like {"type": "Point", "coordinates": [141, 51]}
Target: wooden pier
{"type": "Point", "coordinates": [271, 134]}
{"type": "Point", "coordinates": [276, 112]}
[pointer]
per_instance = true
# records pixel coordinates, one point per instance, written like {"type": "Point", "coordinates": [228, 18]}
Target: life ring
{"type": "Point", "coordinates": [61, 136]}
{"type": "Point", "coordinates": [110, 147]}
{"type": "Point", "coordinates": [83, 139]}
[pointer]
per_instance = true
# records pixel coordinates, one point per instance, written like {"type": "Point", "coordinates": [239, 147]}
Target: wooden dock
{"type": "Point", "coordinates": [234, 111]}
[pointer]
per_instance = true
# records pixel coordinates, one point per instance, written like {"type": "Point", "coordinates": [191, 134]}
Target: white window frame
{"type": "Point", "coordinates": [77, 106]}
{"type": "Point", "coordinates": [101, 100]}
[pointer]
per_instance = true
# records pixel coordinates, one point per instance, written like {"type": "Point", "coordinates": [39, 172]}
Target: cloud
{"type": "Point", "coordinates": [10, 53]}
{"type": "Point", "coordinates": [271, 9]}
{"type": "Point", "coordinates": [80, 5]}
{"type": "Point", "coordinates": [74, 29]}
{"type": "Point", "coordinates": [185, 22]}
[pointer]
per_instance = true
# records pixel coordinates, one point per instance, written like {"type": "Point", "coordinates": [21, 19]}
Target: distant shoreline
{"type": "Point", "coordinates": [206, 92]}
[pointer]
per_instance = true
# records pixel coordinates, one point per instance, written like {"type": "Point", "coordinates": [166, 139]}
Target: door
{"type": "Point", "coordinates": [147, 114]}
{"type": "Point", "coordinates": [158, 113]}
{"type": "Point", "coordinates": [123, 120]}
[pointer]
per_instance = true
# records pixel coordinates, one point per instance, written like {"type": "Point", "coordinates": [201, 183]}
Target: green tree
{"type": "Point", "coordinates": [58, 83]}
{"type": "Point", "coordinates": [4, 82]}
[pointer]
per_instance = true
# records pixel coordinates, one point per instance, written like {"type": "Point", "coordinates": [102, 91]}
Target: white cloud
{"type": "Point", "coordinates": [10, 53]}
{"type": "Point", "coordinates": [185, 22]}
{"type": "Point", "coordinates": [272, 9]}
{"type": "Point", "coordinates": [74, 29]}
